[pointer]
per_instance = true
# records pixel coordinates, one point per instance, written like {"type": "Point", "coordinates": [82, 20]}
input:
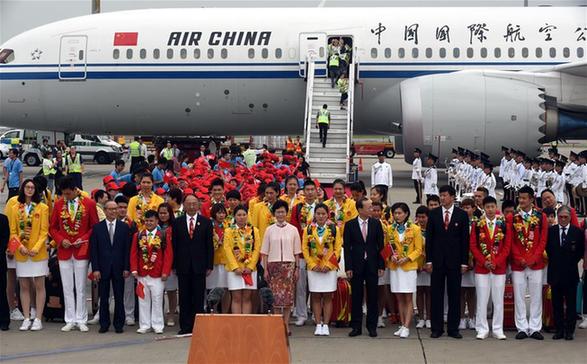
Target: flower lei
{"type": "Point", "coordinates": [66, 218]}
{"type": "Point", "coordinates": [305, 214]}
{"type": "Point", "coordinates": [327, 240]}
{"type": "Point", "coordinates": [498, 236]}
{"type": "Point", "coordinates": [336, 214]}
{"type": "Point", "coordinates": [154, 243]}
{"type": "Point", "coordinates": [405, 244]}
{"type": "Point", "coordinates": [270, 218]}
{"type": "Point", "coordinates": [216, 236]}
{"type": "Point", "coordinates": [243, 243]}
{"type": "Point", "coordinates": [141, 207]}
{"type": "Point", "coordinates": [524, 227]}
{"type": "Point", "coordinates": [25, 221]}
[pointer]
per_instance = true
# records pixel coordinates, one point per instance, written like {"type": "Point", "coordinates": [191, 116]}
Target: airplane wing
{"type": "Point", "coordinates": [572, 68]}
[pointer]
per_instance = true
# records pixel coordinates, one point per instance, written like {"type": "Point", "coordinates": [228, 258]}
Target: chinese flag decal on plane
{"type": "Point", "coordinates": [126, 39]}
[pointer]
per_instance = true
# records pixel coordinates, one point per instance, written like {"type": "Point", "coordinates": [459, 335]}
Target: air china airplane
{"type": "Point", "coordinates": [478, 78]}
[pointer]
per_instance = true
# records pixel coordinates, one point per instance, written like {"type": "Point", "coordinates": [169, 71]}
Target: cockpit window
{"type": "Point", "coordinates": [6, 56]}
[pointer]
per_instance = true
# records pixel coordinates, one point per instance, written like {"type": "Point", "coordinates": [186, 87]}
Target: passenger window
{"type": "Point", "coordinates": [497, 52]}
{"type": "Point", "coordinates": [401, 53]}
{"type": "Point", "coordinates": [387, 52]}
{"type": "Point", "coordinates": [183, 53]}
{"type": "Point", "coordinates": [197, 53]}
{"type": "Point", "coordinates": [428, 52]}
{"type": "Point", "coordinates": [511, 52]}
{"type": "Point", "coordinates": [210, 53]}
{"type": "Point", "coordinates": [116, 54]}
{"type": "Point", "coordinates": [223, 53]}
{"type": "Point", "coordinates": [278, 52]}
{"type": "Point", "coordinates": [470, 52]}
{"type": "Point", "coordinates": [456, 52]}
{"type": "Point", "coordinates": [251, 53]}
{"type": "Point", "coordinates": [169, 53]}
{"type": "Point", "coordinates": [538, 52]}
{"type": "Point", "coordinates": [552, 52]}
{"type": "Point", "coordinates": [373, 52]}
{"type": "Point", "coordinates": [525, 52]}
{"type": "Point", "coordinates": [143, 53]}
{"type": "Point", "coordinates": [129, 54]}
{"type": "Point", "coordinates": [265, 53]}
{"type": "Point", "coordinates": [415, 52]}
{"type": "Point", "coordinates": [442, 52]}
{"type": "Point", "coordinates": [156, 53]}
{"type": "Point", "coordinates": [580, 52]}
{"type": "Point", "coordinates": [566, 52]}
{"type": "Point", "coordinates": [483, 52]}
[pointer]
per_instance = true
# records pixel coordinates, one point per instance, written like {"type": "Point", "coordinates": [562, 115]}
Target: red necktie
{"type": "Point", "coordinates": [446, 220]}
{"type": "Point", "coordinates": [191, 227]}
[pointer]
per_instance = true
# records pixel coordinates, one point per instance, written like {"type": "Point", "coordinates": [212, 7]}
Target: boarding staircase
{"type": "Point", "coordinates": [333, 161]}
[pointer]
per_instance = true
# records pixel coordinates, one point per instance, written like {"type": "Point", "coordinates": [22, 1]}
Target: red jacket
{"type": "Point", "coordinates": [499, 255]}
{"type": "Point", "coordinates": [164, 258]}
{"type": "Point", "coordinates": [207, 207]}
{"type": "Point", "coordinates": [532, 256]}
{"type": "Point", "coordinates": [89, 218]}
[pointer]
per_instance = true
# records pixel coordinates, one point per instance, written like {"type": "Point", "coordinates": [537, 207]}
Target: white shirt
{"type": "Point", "coordinates": [111, 225]}
{"type": "Point", "coordinates": [417, 169]}
{"type": "Point", "coordinates": [75, 204]}
{"type": "Point", "coordinates": [431, 181]}
{"type": "Point", "coordinates": [560, 232]}
{"type": "Point", "coordinates": [187, 221]}
{"type": "Point", "coordinates": [381, 174]}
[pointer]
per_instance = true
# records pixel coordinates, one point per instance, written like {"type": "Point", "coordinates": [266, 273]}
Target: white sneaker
{"type": "Point", "coordinates": [83, 328]}
{"type": "Point", "coordinates": [130, 322]}
{"type": "Point", "coordinates": [463, 324]}
{"type": "Point", "coordinates": [143, 330]}
{"type": "Point", "coordinates": [380, 322]}
{"type": "Point", "coordinates": [300, 321]}
{"type": "Point", "coordinates": [481, 336]}
{"type": "Point", "coordinates": [428, 324]}
{"type": "Point", "coordinates": [26, 325]}
{"type": "Point", "coordinates": [399, 331]}
{"type": "Point", "coordinates": [405, 333]}
{"type": "Point", "coordinates": [37, 325]}
{"type": "Point", "coordinates": [583, 324]}
{"type": "Point", "coordinates": [325, 330]}
{"type": "Point", "coordinates": [68, 327]}
{"type": "Point", "coordinates": [420, 324]}
{"type": "Point", "coordinates": [16, 315]}
{"type": "Point", "coordinates": [499, 336]}
{"type": "Point", "coordinates": [33, 313]}
{"type": "Point", "coordinates": [158, 331]}
{"type": "Point", "coordinates": [471, 324]}
{"type": "Point", "coordinates": [318, 331]}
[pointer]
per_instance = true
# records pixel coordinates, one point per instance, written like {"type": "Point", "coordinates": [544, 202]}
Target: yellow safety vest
{"type": "Point", "coordinates": [168, 153]}
{"type": "Point", "coordinates": [343, 85]}
{"type": "Point", "coordinates": [323, 116]}
{"type": "Point", "coordinates": [135, 149]}
{"type": "Point", "coordinates": [48, 171]}
{"type": "Point", "coordinates": [74, 166]}
{"type": "Point", "coordinates": [334, 60]}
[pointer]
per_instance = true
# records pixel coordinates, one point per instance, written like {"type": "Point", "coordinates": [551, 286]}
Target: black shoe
{"type": "Point", "coordinates": [4, 327]}
{"type": "Point", "coordinates": [558, 336]}
{"type": "Point", "coordinates": [355, 332]}
{"type": "Point", "coordinates": [569, 336]}
{"type": "Point", "coordinates": [455, 335]}
{"type": "Point", "coordinates": [119, 331]}
{"type": "Point", "coordinates": [103, 330]}
{"type": "Point", "coordinates": [521, 335]}
{"type": "Point", "coordinates": [373, 333]}
{"type": "Point", "coordinates": [183, 332]}
{"type": "Point", "coordinates": [435, 334]}
{"type": "Point", "coordinates": [537, 336]}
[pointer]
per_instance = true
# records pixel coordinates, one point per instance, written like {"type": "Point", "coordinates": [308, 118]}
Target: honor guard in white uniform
{"type": "Point", "coordinates": [558, 184]}
{"type": "Point", "coordinates": [451, 170]}
{"type": "Point", "coordinates": [502, 164]}
{"type": "Point", "coordinates": [568, 171]}
{"type": "Point", "coordinates": [417, 174]}
{"type": "Point", "coordinates": [488, 181]}
{"type": "Point", "coordinates": [507, 166]}
{"type": "Point", "coordinates": [431, 176]}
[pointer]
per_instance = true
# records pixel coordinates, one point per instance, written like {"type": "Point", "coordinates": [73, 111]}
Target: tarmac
{"type": "Point", "coordinates": [53, 346]}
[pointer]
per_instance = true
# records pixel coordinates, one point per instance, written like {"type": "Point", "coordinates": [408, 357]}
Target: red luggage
{"type": "Point", "coordinates": [509, 322]}
{"type": "Point", "coordinates": [341, 303]}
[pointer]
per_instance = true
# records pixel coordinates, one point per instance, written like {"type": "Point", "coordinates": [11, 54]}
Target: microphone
{"type": "Point", "coordinates": [214, 298]}
{"type": "Point", "coordinates": [267, 299]}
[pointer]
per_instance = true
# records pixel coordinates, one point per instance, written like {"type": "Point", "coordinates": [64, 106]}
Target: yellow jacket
{"type": "Point", "coordinates": [219, 253]}
{"type": "Point", "coordinates": [39, 231]}
{"type": "Point", "coordinates": [296, 200]}
{"type": "Point", "coordinates": [262, 218]}
{"type": "Point", "coordinates": [235, 248]}
{"type": "Point", "coordinates": [319, 254]}
{"type": "Point", "coordinates": [422, 258]}
{"type": "Point", "coordinates": [346, 212]}
{"type": "Point", "coordinates": [410, 247]}
{"type": "Point", "coordinates": [134, 202]}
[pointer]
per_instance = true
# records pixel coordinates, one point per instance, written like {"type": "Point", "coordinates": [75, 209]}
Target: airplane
{"type": "Point", "coordinates": [478, 78]}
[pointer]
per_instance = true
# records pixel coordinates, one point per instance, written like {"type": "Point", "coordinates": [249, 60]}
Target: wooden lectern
{"type": "Point", "coordinates": [239, 339]}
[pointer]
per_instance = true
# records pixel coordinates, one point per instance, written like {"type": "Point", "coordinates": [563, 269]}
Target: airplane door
{"type": "Point", "coordinates": [72, 57]}
{"type": "Point", "coordinates": [313, 45]}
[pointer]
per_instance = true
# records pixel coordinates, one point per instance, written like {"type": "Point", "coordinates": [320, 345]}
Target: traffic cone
{"type": "Point", "coordinates": [360, 164]}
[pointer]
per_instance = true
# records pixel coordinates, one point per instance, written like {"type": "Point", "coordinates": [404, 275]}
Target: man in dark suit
{"type": "Point", "coordinates": [110, 249]}
{"type": "Point", "coordinates": [4, 310]}
{"type": "Point", "coordinates": [363, 242]}
{"type": "Point", "coordinates": [447, 256]}
{"type": "Point", "coordinates": [565, 247]}
{"type": "Point", "coordinates": [193, 261]}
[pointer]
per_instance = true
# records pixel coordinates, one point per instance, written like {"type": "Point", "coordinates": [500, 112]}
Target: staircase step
{"type": "Point", "coordinates": [326, 160]}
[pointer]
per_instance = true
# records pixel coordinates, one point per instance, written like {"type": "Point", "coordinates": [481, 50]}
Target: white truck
{"type": "Point", "coordinates": [99, 148]}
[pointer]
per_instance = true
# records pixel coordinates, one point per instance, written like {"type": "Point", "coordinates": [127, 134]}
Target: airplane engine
{"type": "Point", "coordinates": [473, 110]}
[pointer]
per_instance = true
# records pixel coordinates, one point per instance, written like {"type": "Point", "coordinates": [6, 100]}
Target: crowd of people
{"type": "Point", "coordinates": [237, 227]}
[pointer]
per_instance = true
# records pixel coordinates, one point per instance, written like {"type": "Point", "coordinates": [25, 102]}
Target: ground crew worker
{"type": "Point", "coordinates": [74, 166]}
{"type": "Point", "coordinates": [343, 87]}
{"type": "Point", "coordinates": [167, 153]}
{"type": "Point", "coordinates": [333, 62]}
{"type": "Point", "coordinates": [134, 150]}
{"type": "Point", "coordinates": [49, 170]}
{"type": "Point", "coordinates": [289, 145]}
{"type": "Point", "coordinates": [298, 146]}
{"type": "Point", "coordinates": [323, 122]}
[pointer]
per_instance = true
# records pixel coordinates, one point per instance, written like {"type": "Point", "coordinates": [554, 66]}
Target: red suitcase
{"type": "Point", "coordinates": [341, 303]}
{"type": "Point", "coordinates": [509, 322]}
